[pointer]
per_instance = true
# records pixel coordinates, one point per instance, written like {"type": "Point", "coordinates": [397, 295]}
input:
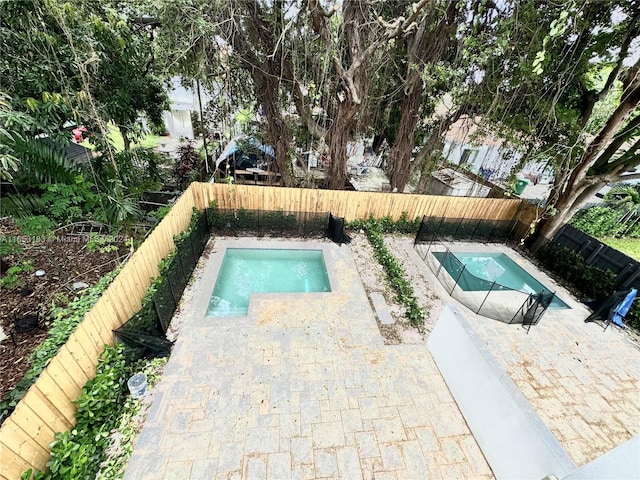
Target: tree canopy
{"type": "Point", "coordinates": [556, 80]}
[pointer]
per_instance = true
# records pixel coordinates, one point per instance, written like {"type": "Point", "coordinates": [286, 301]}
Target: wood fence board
{"type": "Point", "coordinates": [11, 464]}
{"type": "Point", "coordinates": [60, 417]}
{"type": "Point", "coordinates": [56, 395]}
{"type": "Point", "coordinates": [74, 347]}
{"type": "Point", "coordinates": [76, 372]}
{"type": "Point", "coordinates": [45, 410]}
{"type": "Point", "coordinates": [32, 424]}
{"type": "Point", "coordinates": [63, 379]}
{"type": "Point", "coordinates": [95, 324]}
{"type": "Point", "coordinates": [25, 447]}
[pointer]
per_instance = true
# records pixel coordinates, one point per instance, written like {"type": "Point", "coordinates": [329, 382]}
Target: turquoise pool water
{"type": "Point", "coordinates": [255, 270]}
{"type": "Point", "coordinates": [482, 269]}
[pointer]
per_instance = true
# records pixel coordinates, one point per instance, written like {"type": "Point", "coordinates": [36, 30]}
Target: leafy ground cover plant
{"type": "Point", "coordinates": [76, 454]}
{"type": "Point", "coordinates": [11, 277]}
{"type": "Point", "coordinates": [64, 321]}
{"type": "Point", "coordinates": [393, 268]}
{"type": "Point", "coordinates": [122, 439]}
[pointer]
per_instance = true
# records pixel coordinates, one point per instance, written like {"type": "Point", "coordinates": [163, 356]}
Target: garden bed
{"type": "Point", "coordinates": [65, 260]}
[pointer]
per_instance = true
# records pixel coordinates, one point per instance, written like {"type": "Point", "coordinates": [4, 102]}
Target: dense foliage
{"type": "Point", "coordinates": [592, 282]}
{"type": "Point", "coordinates": [103, 407]}
{"type": "Point", "coordinates": [618, 216]}
{"type": "Point", "coordinates": [64, 322]}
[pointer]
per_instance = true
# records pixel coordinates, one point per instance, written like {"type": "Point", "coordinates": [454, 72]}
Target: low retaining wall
{"type": "Point", "coordinates": [511, 435]}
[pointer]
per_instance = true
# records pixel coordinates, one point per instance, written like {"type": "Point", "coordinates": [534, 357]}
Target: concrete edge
{"type": "Point", "coordinates": [511, 435]}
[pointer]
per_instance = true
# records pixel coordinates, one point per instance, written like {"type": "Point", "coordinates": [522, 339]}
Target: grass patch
{"type": "Point", "coordinates": [628, 246]}
{"type": "Point", "coordinates": [148, 141]}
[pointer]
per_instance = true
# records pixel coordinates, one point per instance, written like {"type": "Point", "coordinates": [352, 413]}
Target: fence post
{"type": "Point", "coordinates": [457, 280]}
{"type": "Point", "coordinates": [486, 296]}
{"type": "Point", "coordinates": [631, 278]}
{"type": "Point", "coordinates": [594, 254]}
{"type": "Point", "coordinates": [583, 248]}
{"type": "Point", "coordinates": [444, 259]}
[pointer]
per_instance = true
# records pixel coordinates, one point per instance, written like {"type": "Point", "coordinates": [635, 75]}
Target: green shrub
{"type": "Point", "coordinates": [11, 278]}
{"type": "Point", "coordinates": [64, 322]}
{"type": "Point", "coordinates": [592, 282]}
{"type": "Point", "coordinates": [37, 225]}
{"type": "Point", "coordinates": [395, 272]}
{"type": "Point", "coordinates": [77, 454]}
{"type": "Point", "coordinates": [387, 225]}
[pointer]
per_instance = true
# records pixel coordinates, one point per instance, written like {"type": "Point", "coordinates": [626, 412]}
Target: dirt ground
{"type": "Point", "coordinates": [374, 280]}
{"type": "Point", "coordinates": [65, 260]}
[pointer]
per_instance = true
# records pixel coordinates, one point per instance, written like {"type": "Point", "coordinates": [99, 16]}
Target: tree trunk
{"type": "Point", "coordinates": [125, 138]}
{"type": "Point", "coordinates": [267, 90]}
{"type": "Point", "coordinates": [579, 186]}
{"type": "Point", "coordinates": [567, 206]}
{"type": "Point", "coordinates": [337, 138]}
{"type": "Point", "coordinates": [400, 166]}
{"type": "Point", "coordinates": [427, 159]}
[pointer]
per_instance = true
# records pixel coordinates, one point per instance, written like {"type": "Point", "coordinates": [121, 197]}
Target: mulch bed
{"type": "Point", "coordinates": [65, 260]}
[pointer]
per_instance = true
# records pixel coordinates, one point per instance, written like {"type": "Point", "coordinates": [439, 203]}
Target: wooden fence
{"type": "Point", "coordinates": [354, 205]}
{"type": "Point", "coordinates": [48, 405]}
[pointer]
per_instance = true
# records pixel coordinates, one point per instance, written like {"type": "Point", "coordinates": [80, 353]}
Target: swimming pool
{"type": "Point", "coordinates": [258, 270]}
{"type": "Point", "coordinates": [491, 271]}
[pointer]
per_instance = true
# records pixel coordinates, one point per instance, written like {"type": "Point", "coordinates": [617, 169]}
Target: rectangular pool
{"type": "Point", "coordinates": [483, 269]}
{"type": "Point", "coordinates": [256, 270]}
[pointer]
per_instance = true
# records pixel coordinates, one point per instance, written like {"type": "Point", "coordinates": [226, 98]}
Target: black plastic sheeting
{"type": "Point", "coordinates": [272, 223]}
{"type": "Point", "coordinates": [145, 333]}
{"type": "Point", "coordinates": [336, 230]}
{"type": "Point", "coordinates": [464, 229]}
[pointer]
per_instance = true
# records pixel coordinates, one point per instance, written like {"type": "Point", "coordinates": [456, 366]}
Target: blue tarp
{"type": "Point", "coordinates": [266, 149]}
{"type": "Point", "coordinates": [623, 307]}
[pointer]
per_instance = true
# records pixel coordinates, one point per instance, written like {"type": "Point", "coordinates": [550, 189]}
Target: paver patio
{"type": "Point", "coordinates": [583, 382]}
{"type": "Point", "coordinates": [300, 388]}
{"type": "Point", "coordinates": [304, 387]}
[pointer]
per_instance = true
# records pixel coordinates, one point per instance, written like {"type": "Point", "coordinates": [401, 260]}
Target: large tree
{"type": "Point", "coordinates": [361, 33]}
{"type": "Point", "coordinates": [432, 42]}
{"type": "Point", "coordinates": [83, 62]}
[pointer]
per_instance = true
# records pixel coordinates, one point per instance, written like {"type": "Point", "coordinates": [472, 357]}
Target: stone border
{"type": "Point", "coordinates": [511, 435]}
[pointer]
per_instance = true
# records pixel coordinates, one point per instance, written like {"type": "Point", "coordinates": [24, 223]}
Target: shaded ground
{"type": "Point", "coordinates": [65, 260]}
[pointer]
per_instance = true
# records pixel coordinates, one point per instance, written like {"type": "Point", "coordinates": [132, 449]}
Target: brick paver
{"type": "Point", "coordinates": [582, 381]}
{"type": "Point", "coordinates": [303, 388]}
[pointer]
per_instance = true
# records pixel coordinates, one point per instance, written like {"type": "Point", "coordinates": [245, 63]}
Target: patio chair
{"type": "Point", "coordinates": [24, 324]}
{"type": "Point", "coordinates": [613, 309]}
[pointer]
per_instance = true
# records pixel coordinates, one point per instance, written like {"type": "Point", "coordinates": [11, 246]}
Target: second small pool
{"type": "Point", "coordinates": [482, 269]}
{"type": "Point", "coordinates": [256, 270]}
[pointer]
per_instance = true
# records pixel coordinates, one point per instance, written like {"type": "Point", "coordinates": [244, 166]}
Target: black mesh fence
{"type": "Point", "coordinates": [144, 333]}
{"type": "Point", "coordinates": [465, 229]}
{"type": "Point", "coordinates": [272, 223]}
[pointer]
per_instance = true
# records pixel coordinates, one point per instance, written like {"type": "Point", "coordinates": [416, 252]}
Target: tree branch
{"type": "Point", "coordinates": [632, 32]}
{"type": "Point", "coordinates": [626, 132]}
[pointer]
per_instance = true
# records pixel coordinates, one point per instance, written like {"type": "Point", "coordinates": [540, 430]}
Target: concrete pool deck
{"type": "Point", "coordinates": [583, 382]}
{"type": "Point", "coordinates": [304, 387]}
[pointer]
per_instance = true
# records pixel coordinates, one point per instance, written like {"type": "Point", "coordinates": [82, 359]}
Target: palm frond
{"type": "Point", "coordinates": [20, 206]}
{"type": "Point", "coordinates": [41, 162]}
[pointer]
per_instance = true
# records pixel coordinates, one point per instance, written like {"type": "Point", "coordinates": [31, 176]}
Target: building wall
{"type": "Point", "coordinates": [178, 123]}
